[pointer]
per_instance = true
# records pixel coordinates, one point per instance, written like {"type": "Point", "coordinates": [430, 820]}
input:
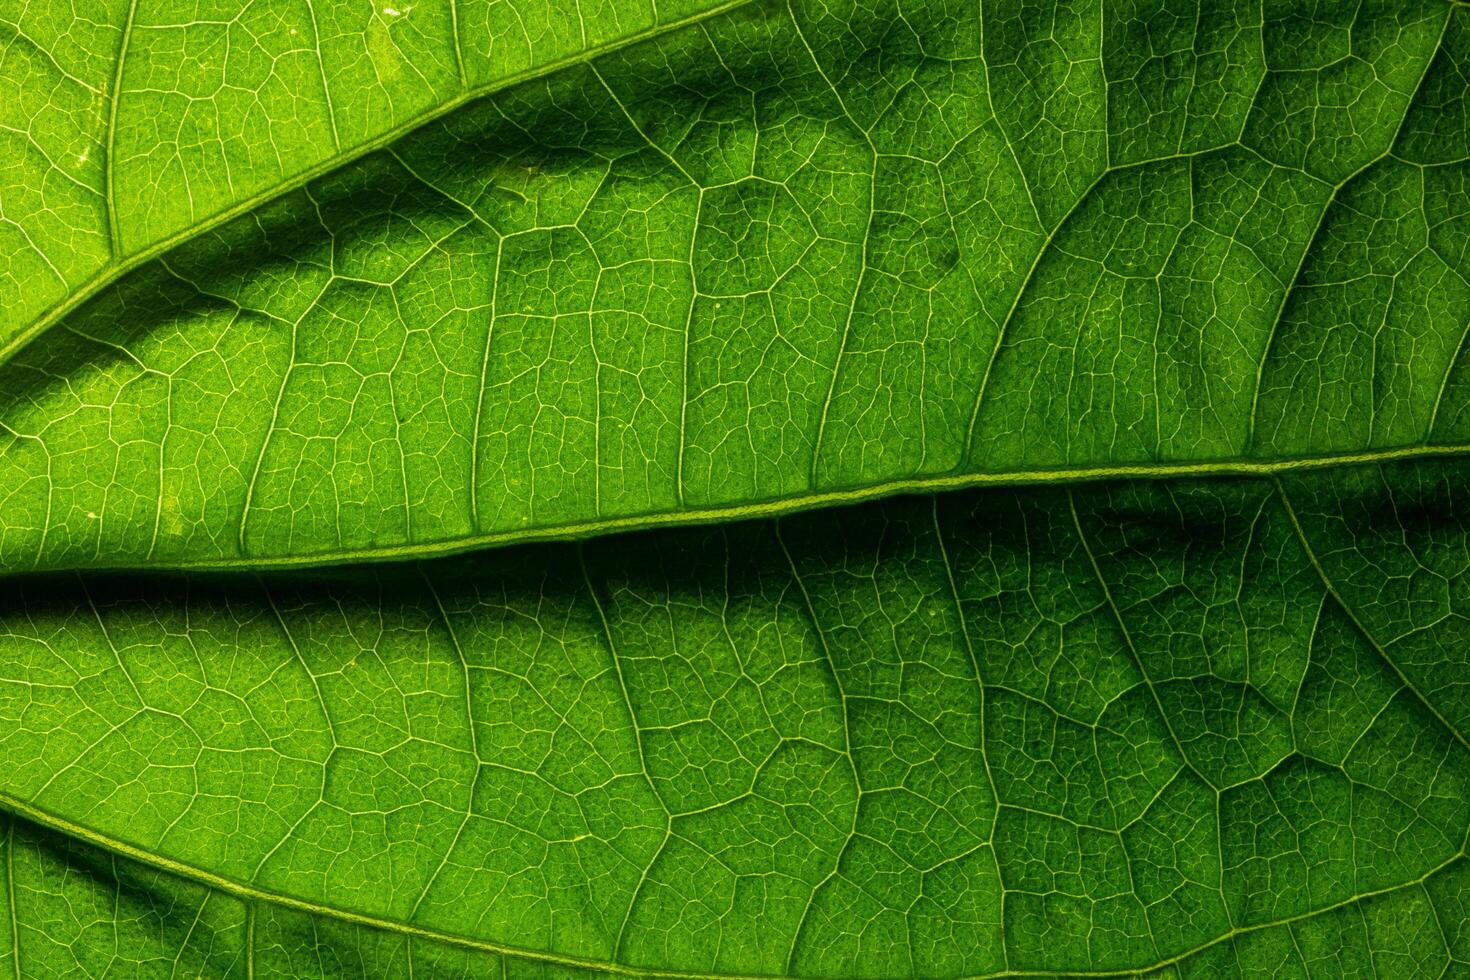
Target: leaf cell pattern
{"type": "Point", "coordinates": [762, 261]}
{"type": "Point", "coordinates": [306, 282]}
{"type": "Point", "coordinates": [134, 124]}
{"type": "Point", "coordinates": [1158, 724]}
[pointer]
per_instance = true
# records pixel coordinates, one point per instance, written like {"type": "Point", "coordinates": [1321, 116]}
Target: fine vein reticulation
{"type": "Point", "coordinates": [750, 263]}
{"type": "Point", "coordinates": [1118, 349]}
{"type": "Point", "coordinates": [1205, 725]}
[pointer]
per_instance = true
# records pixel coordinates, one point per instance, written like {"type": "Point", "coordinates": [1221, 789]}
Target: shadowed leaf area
{"type": "Point", "coordinates": [1017, 455]}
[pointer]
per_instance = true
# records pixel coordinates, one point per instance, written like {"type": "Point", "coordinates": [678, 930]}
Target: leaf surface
{"type": "Point", "coordinates": [1157, 312]}
{"type": "Point", "coordinates": [134, 126]}
{"type": "Point", "coordinates": [69, 899]}
{"type": "Point", "coordinates": [776, 259]}
{"type": "Point", "coordinates": [71, 908]}
{"type": "Point", "coordinates": [1004, 730]}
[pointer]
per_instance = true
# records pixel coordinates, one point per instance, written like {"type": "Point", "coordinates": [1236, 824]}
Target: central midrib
{"type": "Point", "coordinates": [793, 504]}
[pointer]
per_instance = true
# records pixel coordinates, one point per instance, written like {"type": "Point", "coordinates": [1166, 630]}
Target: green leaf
{"type": "Point", "coordinates": [73, 909]}
{"type": "Point", "coordinates": [784, 257]}
{"type": "Point", "coordinates": [1029, 730]}
{"type": "Point", "coordinates": [1146, 319]}
{"type": "Point", "coordinates": [132, 126]}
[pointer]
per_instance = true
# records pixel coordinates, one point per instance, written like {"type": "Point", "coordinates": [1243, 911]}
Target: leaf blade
{"type": "Point", "coordinates": [490, 406]}
{"type": "Point", "coordinates": [32, 306]}
{"type": "Point", "coordinates": [928, 701]}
